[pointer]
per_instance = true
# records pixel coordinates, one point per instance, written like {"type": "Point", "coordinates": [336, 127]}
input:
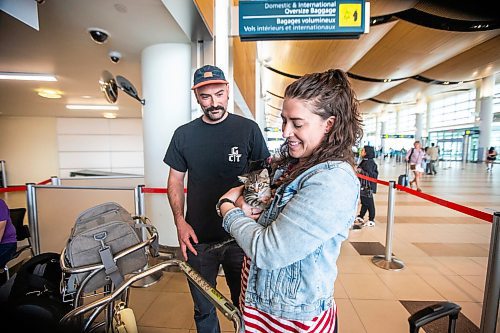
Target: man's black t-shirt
{"type": "Point", "coordinates": [213, 156]}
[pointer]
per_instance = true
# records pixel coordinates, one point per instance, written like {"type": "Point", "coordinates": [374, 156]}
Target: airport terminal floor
{"type": "Point", "coordinates": [445, 254]}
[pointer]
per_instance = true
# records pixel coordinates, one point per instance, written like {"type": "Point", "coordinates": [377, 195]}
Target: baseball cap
{"type": "Point", "coordinates": [208, 74]}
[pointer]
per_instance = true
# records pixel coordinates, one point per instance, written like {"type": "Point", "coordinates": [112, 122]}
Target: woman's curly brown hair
{"type": "Point", "coordinates": [327, 94]}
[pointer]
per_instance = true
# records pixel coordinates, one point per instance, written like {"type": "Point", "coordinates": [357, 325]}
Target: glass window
{"type": "Point", "coordinates": [457, 109]}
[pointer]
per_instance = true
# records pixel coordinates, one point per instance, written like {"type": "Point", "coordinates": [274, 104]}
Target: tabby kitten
{"type": "Point", "coordinates": [257, 193]}
{"type": "Point", "coordinates": [257, 190]}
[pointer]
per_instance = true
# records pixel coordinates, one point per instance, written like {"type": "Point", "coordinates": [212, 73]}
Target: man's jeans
{"type": "Point", "coordinates": [207, 264]}
{"type": "Point", "coordinates": [432, 167]}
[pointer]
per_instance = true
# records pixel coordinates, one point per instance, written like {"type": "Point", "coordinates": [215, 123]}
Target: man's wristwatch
{"type": "Point", "coordinates": [221, 201]}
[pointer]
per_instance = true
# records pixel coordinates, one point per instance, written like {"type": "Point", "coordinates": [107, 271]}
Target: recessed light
{"type": "Point", "coordinates": [86, 96]}
{"type": "Point", "coordinates": [109, 115]}
{"type": "Point", "coordinates": [92, 107]}
{"type": "Point", "coordinates": [27, 76]}
{"type": "Point", "coordinates": [49, 93]}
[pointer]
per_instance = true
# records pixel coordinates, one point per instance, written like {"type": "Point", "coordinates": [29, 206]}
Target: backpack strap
{"type": "Point", "coordinates": [108, 260]}
{"type": "Point", "coordinates": [409, 157]}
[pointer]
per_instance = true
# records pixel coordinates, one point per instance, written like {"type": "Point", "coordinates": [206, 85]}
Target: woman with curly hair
{"type": "Point", "coordinates": [292, 247]}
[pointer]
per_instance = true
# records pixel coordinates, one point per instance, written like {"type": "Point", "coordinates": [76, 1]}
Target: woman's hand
{"type": "Point", "coordinates": [235, 194]}
{"type": "Point", "coordinates": [251, 212]}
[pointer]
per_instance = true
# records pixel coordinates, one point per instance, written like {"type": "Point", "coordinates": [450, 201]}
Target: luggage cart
{"type": "Point", "coordinates": [213, 295]}
{"type": "Point", "coordinates": [109, 312]}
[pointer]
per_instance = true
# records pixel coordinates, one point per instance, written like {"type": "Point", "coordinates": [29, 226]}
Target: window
{"type": "Point", "coordinates": [454, 110]}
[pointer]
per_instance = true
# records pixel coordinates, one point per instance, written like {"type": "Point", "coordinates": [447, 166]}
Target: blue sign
{"type": "Point", "coordinates": [313, 19]}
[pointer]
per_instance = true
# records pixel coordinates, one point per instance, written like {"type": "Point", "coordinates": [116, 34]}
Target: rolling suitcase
{"type": "Point", "coordinates": [403, 179]}
{"type": "Point", "coordinates": [434, 312]}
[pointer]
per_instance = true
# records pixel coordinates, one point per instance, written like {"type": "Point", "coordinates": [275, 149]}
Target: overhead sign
{"type": "Point", "coordinates": [313, 19]}
{"type": "Point", "coordinates": [471, 131]}
{"type": "Point", "coordinates": [272, 129]}
{"type": "Point", "coordinates": [397, 136]}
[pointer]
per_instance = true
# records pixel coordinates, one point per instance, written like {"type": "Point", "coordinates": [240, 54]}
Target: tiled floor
{"type": "Point", "coordinates": [445, 255]}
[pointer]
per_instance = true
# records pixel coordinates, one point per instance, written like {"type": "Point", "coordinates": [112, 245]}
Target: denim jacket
{"type": "Point", "coordinates": [295, 243]}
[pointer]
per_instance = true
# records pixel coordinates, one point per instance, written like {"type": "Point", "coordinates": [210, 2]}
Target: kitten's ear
{"type": "Point", "coordinates": [242, 179]}
{"type": "Point", "coordinates": [264, 173]}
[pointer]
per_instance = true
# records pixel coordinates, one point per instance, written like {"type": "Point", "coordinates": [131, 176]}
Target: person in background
{"type": "Point", "coordinates": [414, 157]}
{"type": "Point", "coordinates": [369, 168]}
{"type": "Point", "coordinates": [426, 160]}
{"type": "Point", "coordinates": [8, 237]}
{"type": "Point", "coordinates": [213, 150]}
{"type": "Point", "coordinates": [491, 157]}
{"type": "Point", "coordinates": [292, 249]}
{"type": "Point", "coordinates": [433, 157]}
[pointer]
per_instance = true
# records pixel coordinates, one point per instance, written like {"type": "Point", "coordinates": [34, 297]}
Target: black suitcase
{"type": "Point", "coordinates": [434, 312]}
{"type": "Point", "coordinates": [403, 180]}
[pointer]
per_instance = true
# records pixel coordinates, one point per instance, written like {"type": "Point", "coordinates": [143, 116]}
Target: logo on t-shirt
{"type": "Point", "coordinates": [235, 155]}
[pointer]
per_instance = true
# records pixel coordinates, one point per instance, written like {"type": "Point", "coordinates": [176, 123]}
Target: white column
{"type": "Point", "coordinates": [486, 116]}
{"type": "Point", "coordinates": [260, 116]}
{"type": "Point", "coordinates": [419, 124]}
{"type": "Point", "coordinates": [222, 22]}
{"type": "Point", "coordinates": [166, 83]}
{"type": "Point", "coordinates": [378, 132]}
{"type": "Point", "coordinates": [382, 131]}
{"type": "Point", "coordinates": [397, 121]}
{"type": "Point", "coordinates": [428, 119]}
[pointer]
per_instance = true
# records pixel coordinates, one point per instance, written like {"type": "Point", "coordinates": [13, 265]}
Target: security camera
{"type": "Point", "coordinates": [115, 56]}
{"type": "Point", "coordinates": [98, 35]}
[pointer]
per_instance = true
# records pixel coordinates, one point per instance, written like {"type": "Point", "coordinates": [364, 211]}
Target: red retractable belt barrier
{"type": "Point", "coordinates": [463, 209]}
{"type": "Point", "coordinates": [157, 190]}
{"type": "Point", "coordinates": [13, 188]}
{"type": "Point", "coordinates": [373, 180]}
{"type": "Point", "coordinates": [22, 187]}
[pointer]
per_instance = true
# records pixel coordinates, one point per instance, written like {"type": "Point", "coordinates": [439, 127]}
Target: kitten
{"type": "Point", "coordinates": [257, 193]}
{"type": "Point", "coordinates": [257, 190]}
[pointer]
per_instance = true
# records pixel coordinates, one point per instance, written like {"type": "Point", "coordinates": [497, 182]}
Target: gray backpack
{"type": "Point", "coordinates": [99, 233]}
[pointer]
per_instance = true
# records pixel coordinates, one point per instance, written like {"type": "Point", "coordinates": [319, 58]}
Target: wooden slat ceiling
{"type": "Point", "coordinates": [394, 50]}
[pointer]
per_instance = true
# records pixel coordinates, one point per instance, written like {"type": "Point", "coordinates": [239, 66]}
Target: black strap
{"type": "Point", "coordinates": [409, 157]}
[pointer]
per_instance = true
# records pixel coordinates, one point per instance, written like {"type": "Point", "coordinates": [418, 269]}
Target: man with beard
{"type": "Point", "coordinates": [213, 149]}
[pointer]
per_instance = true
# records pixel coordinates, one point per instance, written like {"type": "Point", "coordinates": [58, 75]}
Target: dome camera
{"type": "Point", "coordinates": [98, 35]}
{"type": "Point", "coordinates": [115, 56]}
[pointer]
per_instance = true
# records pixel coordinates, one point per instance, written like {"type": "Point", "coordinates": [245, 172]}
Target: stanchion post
{"type": "Point", "coordinates": [491, 297]}
{"type": "Point", "coordinates": [140, 211]}
{"type": "Point", "coordinates": [139, 206]}
{"type": "Point", "coordinates": [4, 173]}
{"type": "Point", "coordinates": [387, 261]}
{"type": "Point", "coordinates": [139, 200]}
{"type": "Point", "coordinates": [55, 181]}
{"type": "Point", "coordinates": [33, 216]}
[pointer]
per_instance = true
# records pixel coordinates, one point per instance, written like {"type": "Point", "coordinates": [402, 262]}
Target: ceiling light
{"type": "Point", "coordinates": [91, 107]}
{"type": "Point", "coordinates": [27, 76]}
{"type": "Point", "coordinates": [109, 115]}
{"type": "Point", "coordinates": [49, 93]}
